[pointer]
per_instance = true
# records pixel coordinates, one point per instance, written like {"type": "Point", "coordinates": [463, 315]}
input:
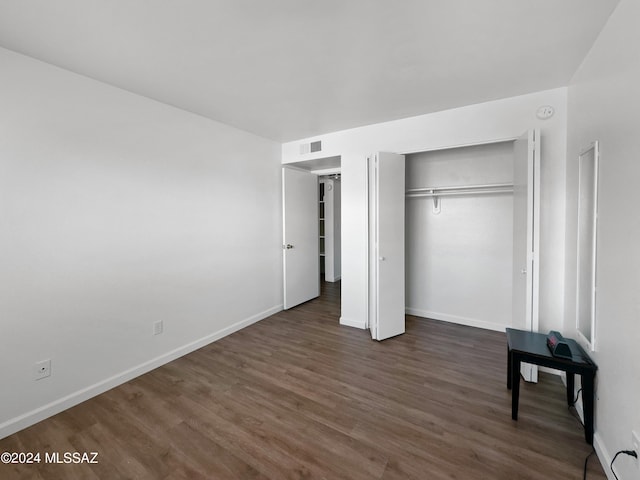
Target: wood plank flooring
{"type": "Point", "coordinates": [296, 396]}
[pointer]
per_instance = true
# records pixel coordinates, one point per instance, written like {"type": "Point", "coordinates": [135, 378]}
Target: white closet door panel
{"type": "Point", "coordinates": [522, 240]}
{"type": "Point", "coordinates": [390, 245]}
{"type": "Point", "coordinates": [526, 221]}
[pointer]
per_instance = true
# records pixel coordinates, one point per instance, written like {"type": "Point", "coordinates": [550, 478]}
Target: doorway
{"type": "Point", "coordinates": [316, 185]}
{"type": "Point", "coordinates": [459, 235]}
{"type": "Point", "coordinates": [330, 227]}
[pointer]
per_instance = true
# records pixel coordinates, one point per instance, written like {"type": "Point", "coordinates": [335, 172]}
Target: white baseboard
{"type": "Point", "coordinates": [470, 322]}
{"type": "Point", "coordinates": [23, 421]}
{"type": "Point", "coordinates": [353, 323]}
{"type": "Point", "coordinates": [603, 455]}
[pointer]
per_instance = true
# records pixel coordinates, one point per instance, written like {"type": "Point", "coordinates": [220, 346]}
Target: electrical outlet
{"type": "Point", "coordinates": [158, 327]}
{"type": "Point", "coordinates": [635, 441]}
{"type": "Point", "coordinates": [42, 369]}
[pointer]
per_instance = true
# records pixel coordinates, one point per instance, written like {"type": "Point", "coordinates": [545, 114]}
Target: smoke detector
{"type": "Point", "coordinates": [544, 112]}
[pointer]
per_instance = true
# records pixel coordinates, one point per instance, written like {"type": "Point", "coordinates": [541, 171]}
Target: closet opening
{"type": "Point", "coordinates": [459, 235]}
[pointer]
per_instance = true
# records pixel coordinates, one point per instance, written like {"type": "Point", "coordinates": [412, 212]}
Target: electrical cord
{"type": "Point", "coordinates": [575, 414]}
{"type": "Point", "coordinates": [572, 407]}
{"type": "Point", "coordinates": [631, 453]}
{"type": "Point", "coordinates": [577, 395]}
{"type": "Point", "coordinates": [586, 460]}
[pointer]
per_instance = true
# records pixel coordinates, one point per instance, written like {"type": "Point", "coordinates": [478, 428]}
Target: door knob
{"type": "Point", "coordinates": [382, 259]}
{"type": "Point", "coordinates": [288, 246]}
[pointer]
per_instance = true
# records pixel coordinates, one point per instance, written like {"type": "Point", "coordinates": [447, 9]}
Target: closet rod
{"type": "Point", "coordinates": [458, 192]}
{"type": "Point", "coordinates": [460, 187]}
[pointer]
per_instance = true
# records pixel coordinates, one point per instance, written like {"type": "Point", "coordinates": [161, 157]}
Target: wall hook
{"type": "Point", "coordinates": [436, 203]}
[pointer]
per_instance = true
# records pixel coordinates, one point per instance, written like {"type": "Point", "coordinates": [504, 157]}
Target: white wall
{"type": "Point", "coordinates": [507, 118]}
{"type": "Point", "coordinates": [604, 105]}
{"type": "Point", "coordinates": [115, 212]}
{"type": "Point", "coordinates": [459, 261]}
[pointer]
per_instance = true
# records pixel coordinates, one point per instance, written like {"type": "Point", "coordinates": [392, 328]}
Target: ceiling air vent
{"type": "Point", "coordinates": [310, 147]}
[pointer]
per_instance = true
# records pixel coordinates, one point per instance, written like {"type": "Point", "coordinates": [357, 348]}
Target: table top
{"type": "Point", "coordinates": [535, 344]}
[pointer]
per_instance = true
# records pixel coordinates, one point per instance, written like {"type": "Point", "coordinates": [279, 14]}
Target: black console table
{"type": "Point", "coordinates": [529, 347]}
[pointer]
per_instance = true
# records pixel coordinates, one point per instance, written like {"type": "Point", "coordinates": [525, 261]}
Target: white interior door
{"type": "Point", "coordinates": [301, 259]}
{"type": "Point", "coordinates": [386, 245]}
{"type": "Point", "coordinates": [526, 223]}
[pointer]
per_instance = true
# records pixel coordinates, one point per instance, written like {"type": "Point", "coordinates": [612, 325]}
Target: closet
{"type": "Point", "coordinates": [468, 236]}
{"type": "Point", "coordinates": [459, 234]}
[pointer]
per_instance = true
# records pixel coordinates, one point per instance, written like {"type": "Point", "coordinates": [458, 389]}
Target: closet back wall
{"type": "Point", "coordinates": [459, 262]}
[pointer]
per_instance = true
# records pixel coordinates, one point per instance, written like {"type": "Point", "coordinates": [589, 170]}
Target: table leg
{"type": "Point", "coordinates": [570, 388]}
{"type": "Point", "coordinates": [509, 368]}
{"type": "Point", "coordinates": [515, 385]}
{"type": "Point", "coordinates": [587, 404]}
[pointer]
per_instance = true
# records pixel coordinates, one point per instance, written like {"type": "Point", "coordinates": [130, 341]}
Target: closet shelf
{"type": "Point", "coordinates": [460, 190]}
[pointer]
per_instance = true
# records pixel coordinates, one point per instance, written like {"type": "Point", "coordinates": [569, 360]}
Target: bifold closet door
{"type": "Point", "coordinates": [386, 245]}
{"type": "Point", "coordinates": [526, 225]}
{"type": "Point", "coordinates": [300, 236]}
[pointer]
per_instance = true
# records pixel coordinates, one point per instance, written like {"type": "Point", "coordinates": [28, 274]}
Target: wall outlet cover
{"type": "Point", "coordinates": [42, 369]}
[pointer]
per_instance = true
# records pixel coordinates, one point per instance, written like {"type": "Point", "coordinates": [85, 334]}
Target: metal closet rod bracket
{"type": "Point", "coordinates": [436, 204]}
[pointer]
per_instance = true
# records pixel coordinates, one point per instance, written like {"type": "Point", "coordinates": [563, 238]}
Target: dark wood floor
{"type": "Point", "coordinates": [296, 396]}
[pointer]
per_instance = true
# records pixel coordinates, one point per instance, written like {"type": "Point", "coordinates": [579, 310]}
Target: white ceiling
{"type": "Point", "coordinates": [288, 69]}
